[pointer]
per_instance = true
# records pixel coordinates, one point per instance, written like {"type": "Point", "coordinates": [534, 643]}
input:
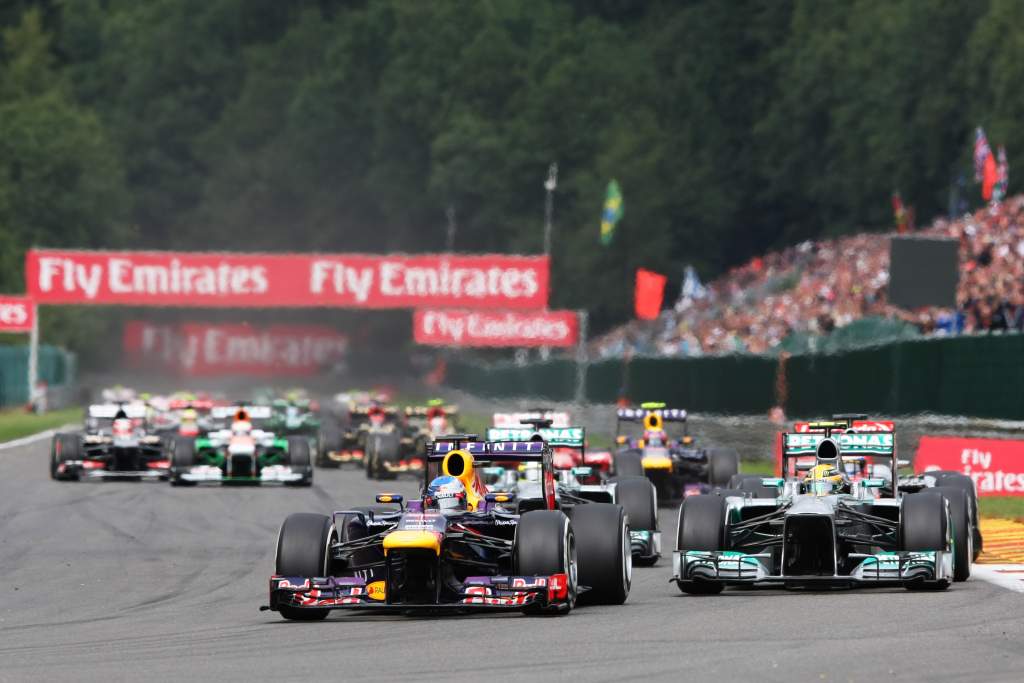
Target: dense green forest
{"type": "Point", "coordinates": [732, 127]}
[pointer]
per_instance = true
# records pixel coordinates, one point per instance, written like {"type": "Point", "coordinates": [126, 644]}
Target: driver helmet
{"type": "Point", "coordinates": [240, 427]}
{"type": "Point", "coordinates": [855, 467]}
{"type": "Point", "coordinates": [376, 415]}
{"type": "Point", "coordinates": [823, 480]}
{"type": "Point", "coordinates": [122, 426]}
{"type": "Point", "coordinates": [447, 494]}
{"type": "Point", "coordinates": [655, 437]}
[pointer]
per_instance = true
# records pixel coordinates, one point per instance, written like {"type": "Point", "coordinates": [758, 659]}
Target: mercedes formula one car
{"type": "Point", "coordinates": [458, 548]}
{"type": "Point", "coordinates": [241, 454]}
{"type": "Point", "coordinates": [665, 452]}
{"type": "Point", "coordinates": [824, 528]}
{"type": "Point", "coordinates": [116, 444]}
{"type": "Point", "coordinates": [575, 485]}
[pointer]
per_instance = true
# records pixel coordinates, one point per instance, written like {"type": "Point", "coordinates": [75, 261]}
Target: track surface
{"type": "Point", "coordinates": [133, 581]}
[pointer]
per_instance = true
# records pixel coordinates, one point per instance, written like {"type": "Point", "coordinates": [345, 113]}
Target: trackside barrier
{"type": "Point", "coordinates": [979, 376]}
{"type": "Point", "coordinates": [57, 368]}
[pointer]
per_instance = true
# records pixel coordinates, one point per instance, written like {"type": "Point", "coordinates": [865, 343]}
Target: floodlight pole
{"type": "Point", "coordinates": [450, 238]}
{"type": "Point", "coordinates": [549, 205]}
{"type": "Point", "coordinates": [581, 358]}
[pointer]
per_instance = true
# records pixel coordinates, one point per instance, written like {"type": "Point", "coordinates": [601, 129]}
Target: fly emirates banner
{"type": "Point", "coordinates": [162, 278]}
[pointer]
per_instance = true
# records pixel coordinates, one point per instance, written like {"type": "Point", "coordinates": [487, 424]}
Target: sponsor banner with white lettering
{"type": "Point", "coordinates": [205, 349]}
{"type": "Point", "coordinates": [995, 465]}
{"type": "Point", "coordinates": [286, 280]}
{"type": "Point", "coordinates": [16, 313]}
{"type": "Point", "coordinates": [495, 328]}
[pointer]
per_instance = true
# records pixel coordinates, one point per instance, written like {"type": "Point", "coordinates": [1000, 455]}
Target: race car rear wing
{"type": "Point", "coordinates": [512, 420]}
{"type": "Point", "coordinates": [638, 414]}
{"type": "Point", "coordinates": [107, 411]}
{"type": "Point", "coordinates": [850, 443]}
{"type": "Point", "coordinates": [561, 437]}
{"type": "Point", "coordinates": [511, 451]}
{"type": "Point", "coordinates": [424, 411]}
{"type": "Point", "coordinates": [255, 412]}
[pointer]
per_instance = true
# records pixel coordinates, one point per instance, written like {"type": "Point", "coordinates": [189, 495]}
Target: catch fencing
{"type": "Point", "coordinates": [57, 367]}
{"type": "Point", "coordinates": [977, 376]}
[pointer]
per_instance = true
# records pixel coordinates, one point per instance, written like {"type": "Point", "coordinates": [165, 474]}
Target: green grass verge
{"type": "Point", "coordinates": [1005, 507]}
{"type": "Point", "coordinates": [15, 424]}
{"type": "Point", "coordinates": [765, 467]}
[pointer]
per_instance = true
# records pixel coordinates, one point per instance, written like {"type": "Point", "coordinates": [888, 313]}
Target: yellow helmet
{"type": "Point", "coordinates": [823, 480]}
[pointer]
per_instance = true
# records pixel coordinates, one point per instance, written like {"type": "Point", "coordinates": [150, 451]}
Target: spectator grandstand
{"type": "Point", "coordinates": [812, 292]}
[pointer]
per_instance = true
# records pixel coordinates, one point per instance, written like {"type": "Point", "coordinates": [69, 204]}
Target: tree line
{"type": "Point", "coordinates": [355, 125]}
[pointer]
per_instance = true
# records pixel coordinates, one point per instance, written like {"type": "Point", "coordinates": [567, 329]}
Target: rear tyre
{"type": "Point", "coordinates": [183, 457]}
{"type": "Point", "coordinates": [330, 441]}
{"type": "Point", "coordinates": [960, 520]}
{"type": "Point", "coordinates": [544, 545]}
{"type": "Point", "coordinates": [962, 481]}
{"type": "Point", "coordinates": [639, 499]}
{"type": "Point", "coordinates": [299, 459]}
{"type": "Point", "coordinates": [701, 526]}
{"type": "Point", "coordinates": [604, 552]}
{"type": "Point", "coordinates": [723, 463]}
{"type": "Point", "coordinates": [65, 448]}
{"type": "Point", "coordinates": [302, 550]}
{"type": "Point", "coordinates": [382, 449]}
{"type": "Point", "coordinates": [629, 464]}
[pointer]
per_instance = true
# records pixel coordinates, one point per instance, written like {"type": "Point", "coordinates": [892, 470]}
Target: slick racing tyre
{"type": "Point", "coordinates": [604, 552]}
{"type": "Point", "coordinates": [302, 550]}
{"type": "Point", "coordinates": [701, 526]}
{"type": "Point", "coordinates": [639, 499]}
{"type": "Point", "coordinates": [723, 463]}
{"type": "Point", "coordinates": [330, 441]}
{"type": "Point", "coordinates": [299, 459]}
{"type": "Point", "coordinates": [65, 448]}
{"type": "Point", "coordinates": [923, 526]}
{"type": "Point", "coordinates": [381, 450]}
{"type": "Point", "coordinates": [960, 520]}
{"type": "Point", "coordinates": [962, 481]}
{"type": "Point", "coordinates": [544, 545]}
{"type": "Point", "coordinates": [183, 457]}
{"type": "Point", "coordinates": [629, 464]}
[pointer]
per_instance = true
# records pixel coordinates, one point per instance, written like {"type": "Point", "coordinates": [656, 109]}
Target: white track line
{"type": "Point", "coordinates": [34, 438]}
{"type": "Point", "coordinates": [1008, 576]}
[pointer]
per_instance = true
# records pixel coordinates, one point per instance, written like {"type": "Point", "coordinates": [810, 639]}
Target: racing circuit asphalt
{"type": "Point", "coordinates": [141, 581]}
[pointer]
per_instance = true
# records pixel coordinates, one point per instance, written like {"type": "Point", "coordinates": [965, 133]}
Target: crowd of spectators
{"type": "Point", "coordinates": [816, 287]}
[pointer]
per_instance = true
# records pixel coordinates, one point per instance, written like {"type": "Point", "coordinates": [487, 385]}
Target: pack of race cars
{"type": "Point", "coordinates": [530, 517]}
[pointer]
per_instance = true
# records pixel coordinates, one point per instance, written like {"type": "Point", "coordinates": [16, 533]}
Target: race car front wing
{"type": "Point", "coordinates": [268, 474]}
{"type": "Point", "coordinates": [886, 568]}
{"type": "Point", "coordinates": [478, 593]}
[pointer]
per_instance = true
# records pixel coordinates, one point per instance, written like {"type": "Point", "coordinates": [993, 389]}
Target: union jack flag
{"type": "Point", "coordinates": [981, 152]}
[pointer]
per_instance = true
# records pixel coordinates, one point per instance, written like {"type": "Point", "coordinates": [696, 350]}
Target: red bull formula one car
{"type": "Point", "coordinates": [458, 548]}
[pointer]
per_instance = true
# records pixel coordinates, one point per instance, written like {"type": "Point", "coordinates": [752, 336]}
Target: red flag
{"type": "Point", "coordinates": [990, 178]}
{"type": "Point", "coordinates": [650, 289]}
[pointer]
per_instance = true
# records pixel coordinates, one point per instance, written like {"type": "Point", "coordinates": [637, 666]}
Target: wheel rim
{"type": "Point", "coordinates": [570, 564]}
{"type": "Point", "coordinates": [627, 559]}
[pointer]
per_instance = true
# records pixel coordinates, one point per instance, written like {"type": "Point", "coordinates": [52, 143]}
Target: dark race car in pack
{"type": "Point", "coordinates": [467, 550]}
{"type": "Point", "coordinates": [654, 441]}
{"type": "Point", "coordinates": [116, 443]}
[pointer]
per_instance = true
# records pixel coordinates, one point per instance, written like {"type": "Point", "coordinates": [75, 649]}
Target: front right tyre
{"type": "Point", "coordinates": [303, 547]}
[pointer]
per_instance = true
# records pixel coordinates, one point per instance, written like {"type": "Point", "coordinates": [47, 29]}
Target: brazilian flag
{"type": "Point", "coordinates": [612, 214]}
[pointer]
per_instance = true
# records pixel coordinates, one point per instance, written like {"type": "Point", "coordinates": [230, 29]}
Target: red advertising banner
{"type": "Point", "coordinates": [17, 313]}
{"type": "Point", "coordinates": [206, 349]}
{"type": "Point", "coordinates": [995, 465]}
{"type": "Point", "coordinates": [495, 328]}
{"type": "Point", "coordinates": [155, 278]}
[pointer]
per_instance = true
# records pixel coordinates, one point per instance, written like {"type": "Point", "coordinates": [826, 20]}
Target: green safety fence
{"type": "Point", "coordinates": [56, 368]}
{"type": "Point", "coordinates": [977, 376]}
